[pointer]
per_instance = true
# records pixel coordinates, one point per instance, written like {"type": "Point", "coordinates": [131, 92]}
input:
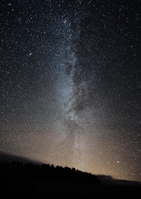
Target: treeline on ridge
{"type": "Point", "coordinates": [30, 171]}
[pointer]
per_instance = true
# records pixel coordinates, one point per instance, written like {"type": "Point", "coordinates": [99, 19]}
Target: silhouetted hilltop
{"type": "Point", "coordinates": [30, 180]}
{"type": "Point", "coordinates": [17, 168]}
{"type": "Point", "coordinates": [44, 172]}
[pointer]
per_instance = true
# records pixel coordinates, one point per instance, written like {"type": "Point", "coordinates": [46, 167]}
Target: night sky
{"type": "Point", "coordinates": [70, 84]}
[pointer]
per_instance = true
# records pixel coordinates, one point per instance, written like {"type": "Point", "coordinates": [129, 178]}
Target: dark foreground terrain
{"type": "Point", "coordinates": [18, 180]}
{"type": "Point", "coordinates": [65, 190]}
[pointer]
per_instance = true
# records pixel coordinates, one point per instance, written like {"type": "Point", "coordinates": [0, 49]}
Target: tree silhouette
{"type": "Point", "coordinates": [30, 171]}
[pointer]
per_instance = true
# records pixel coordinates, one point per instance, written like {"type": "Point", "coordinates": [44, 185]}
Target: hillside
{"type": "Point", "coordinates": [46, 181]}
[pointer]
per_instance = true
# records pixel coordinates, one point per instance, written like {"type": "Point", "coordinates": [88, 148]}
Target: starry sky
{"type": "Point", "coordinates": [70, 84]}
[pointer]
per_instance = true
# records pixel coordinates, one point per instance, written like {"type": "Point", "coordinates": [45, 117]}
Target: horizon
{"type": "Point", "coordinates": [10, 158]}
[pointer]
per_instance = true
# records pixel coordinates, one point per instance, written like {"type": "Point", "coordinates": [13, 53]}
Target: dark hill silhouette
{"type": "Point", "coordinates": [44, 172]}
{"type": "Point", "coordinates": [14, 159]}
{"type": "Point", "coordinates": [25, 179]}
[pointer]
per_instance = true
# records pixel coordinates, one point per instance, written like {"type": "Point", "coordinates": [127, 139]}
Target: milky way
{"type": "Point", "coordinates": [70, 84]}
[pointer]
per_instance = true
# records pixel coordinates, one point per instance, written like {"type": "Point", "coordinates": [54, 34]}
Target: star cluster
{"type": "Point", "coordinates": [70, 84]}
